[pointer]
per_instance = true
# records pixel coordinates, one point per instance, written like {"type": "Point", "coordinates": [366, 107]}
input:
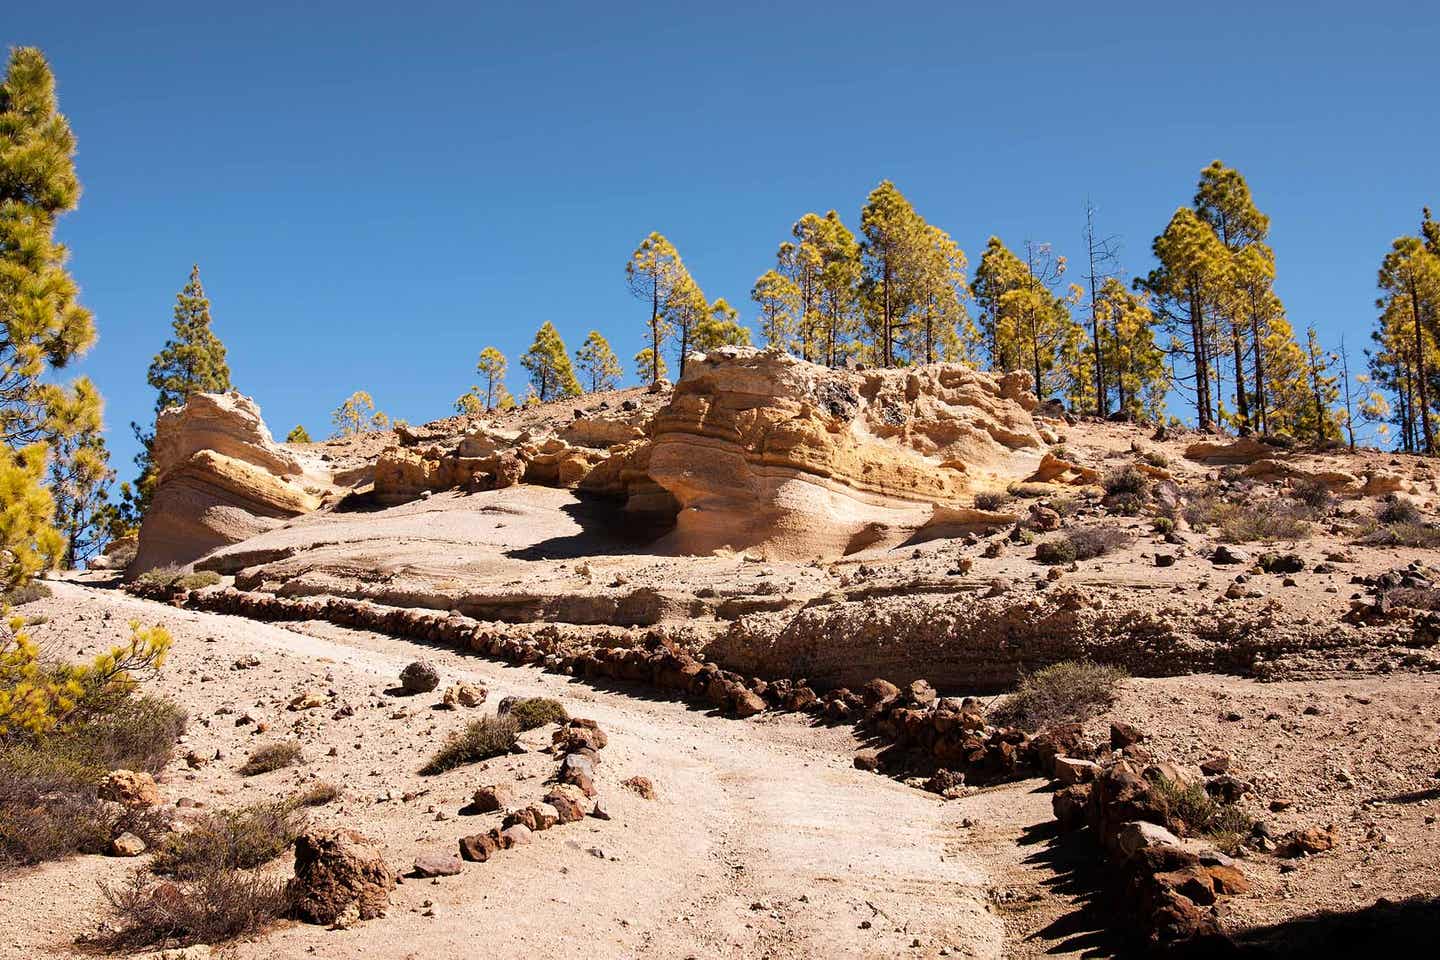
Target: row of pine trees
{"type": "Point", "coordinates": [1205, 324]}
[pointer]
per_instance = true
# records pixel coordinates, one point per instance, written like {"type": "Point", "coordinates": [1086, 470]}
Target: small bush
{"type": "Point", "coordinates": [1055, 551]}
{"type": "Point", "coordinates": [27, 593]}
{"type": "Point", "coordinates": [1398, 510]}
{"type": "Point", "coordinates": [1126, 480]}
{"type": "Point", "coordinates": [1163, 526]}
{"type": "Point", "coordinates": [1062, 452]}
{"type": "Point", "coordinates": [1314, 493]}
{"type": "Point", "coordinates": [1085, 543]}
{"type": "Point", "coordinates": [991, 500]}
{"type": "Point", "coordinates": [480, 740]}
{"type": "Point", "coordinates": [172, 578]}
{"type": "Point", "coordinates": [272, 756]}
{"type": "Point", "coordinates": [532, 712]}
{"type": "Point", "coordinates": [1067, 692]}
{"type": "Point", "coordinates": [1224, 824]}
{"type": "Point", "coordinates": [317, 795]}
{"type": "Point", "coordinates": [218, 906]}
{"type": "Point", "coordinates": [1156, 458]}
{"type": "Point", "coordinates": [243, 838]}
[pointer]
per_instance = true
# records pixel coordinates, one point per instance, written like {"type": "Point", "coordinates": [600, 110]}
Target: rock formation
{"type": "Point", "coordinates": [767, 453]}
{"type": "Point", "coordinates": [220, 479]}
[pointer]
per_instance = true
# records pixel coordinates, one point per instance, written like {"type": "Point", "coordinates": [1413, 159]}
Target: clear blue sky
{"type": "Point", "coordinates": [374, 192]}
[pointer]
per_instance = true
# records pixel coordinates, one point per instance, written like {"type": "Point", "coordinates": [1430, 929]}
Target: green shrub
{"type": "Point", "coordinates": [174, 578]}
{"type": "Point", "coordinates": [1156, 458]}
{"type": "Point", "coordinates": [243, 838]}
{"type": "Point", "coordinates": [1163, 525]}
{"type": "Point", "coordinates": [1055, 551]}
{"type": "Point", "coordinates": [271, 756]}
{"type": "Point", "coordinates": [1224, 824]}
{"type": "Point", "coordinates": [480, 740]}
{"type": "Point", "coordinates": [1126, 480]}
{"type": "Point", "coordinates": [1070, 691]}
{"type": "Point", "coordinates": [532, 712]}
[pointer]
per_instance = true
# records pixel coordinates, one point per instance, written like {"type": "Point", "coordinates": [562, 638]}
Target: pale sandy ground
{"type": "Point", "coordinates": [764, 841]}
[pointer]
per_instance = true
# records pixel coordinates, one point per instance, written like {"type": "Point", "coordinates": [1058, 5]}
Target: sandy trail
{"type": "Point", "coordinates": [764, 841]}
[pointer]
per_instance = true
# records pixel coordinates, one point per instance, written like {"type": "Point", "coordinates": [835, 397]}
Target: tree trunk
{"type": "Point", "coordinates": [1261, 418]}
{"type": "Point", "coordinates": [1242, 404]}
{"type": "Point", "coordinates": [1420, 373]}
{"type": "Point", "coordinates": [1202, 363]}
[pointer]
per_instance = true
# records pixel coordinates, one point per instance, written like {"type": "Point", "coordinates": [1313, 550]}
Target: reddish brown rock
{"type": "Point", "coordinates": [338, 874]}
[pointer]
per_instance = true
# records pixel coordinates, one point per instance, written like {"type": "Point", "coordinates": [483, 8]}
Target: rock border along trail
{"type": "Point", "coordinates": [763, 840]}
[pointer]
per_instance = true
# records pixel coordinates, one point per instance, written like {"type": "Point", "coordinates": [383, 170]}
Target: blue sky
{"type": "Point", "coordinates": [376, 192]}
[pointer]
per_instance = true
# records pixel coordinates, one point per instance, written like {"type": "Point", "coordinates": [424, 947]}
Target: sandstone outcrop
{"type": "Point", "coordinates": [767, 453]}
{"type": "Point", "coordinates": [220, 479]}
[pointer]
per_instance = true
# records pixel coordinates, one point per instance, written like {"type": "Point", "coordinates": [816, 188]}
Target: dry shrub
{"type": "Point", "coordinates": [1314, 493]}
{"type": "Point", "coordinates": [1067, 692]}
{"type": "Point", "coordinates": [1252, 520]}
{"type": "Point", "coordinates": [271, 756]}
{"type": "Point", "coordinates": [1399, 523]}
{"type": "Point", "coordinates": [991, 500]}
{"type": "Point", "coordinates": [317, 795]}
{"type": "Point", "coordinates": [238, 839]}
{"type": "Point", "coordinates": [1085, 543]}
{"type": "Point", "coordinates": [171, 578]}
{"type": "Point", "coordinates": [27, 593]}
{"type": "Point", "coordinates": [1223, 824]}
{"type": "Point", "coordinates": [480, 740]}
{"type": "Point", "coordinates": [532, 712]}
{"type": "Point", "coordinates": [49, 805]}
{"type": "Point", "coordinates": [217, 906]}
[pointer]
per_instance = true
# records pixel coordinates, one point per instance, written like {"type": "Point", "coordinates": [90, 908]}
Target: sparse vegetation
{"type": "Point", "coordinates": [173, 579]}
{"type": "Point", "coordinates": [1084, 543]}
{"type": "Point", "coordinates": [62, 728]}
{"type": "Point", "coordinates": [992, 500]}
{"type": "Point", "coordinates": [1251, 519]}
{"type": "Point", "coordinates": [1314, 493]}
{"type": "Point", "coordinates": [270, 757]}
{"type": "Point", "coordinates": [1127, 490]}
{"type": "Point", "coordinates": [317, 794]}
{"type": "Point", "coordinates": [1155, 458]}
{"type": "Point", "coordinates": [1223, 824]}
{"type": "Point", "coordinates": [242, 838]}
{"type": "Point", "coordinates": [532, 712]}
{"type": "Point", "coordinates": [27, 593]}
{"type": "Point", "coordinates": [216, 906]}
{"type": "Point", "coordinates": [480, 740]}
{"type": "Point", "coordinates": [1066, 692]}
{"type": "Point", "coordinates": [1163, 525]}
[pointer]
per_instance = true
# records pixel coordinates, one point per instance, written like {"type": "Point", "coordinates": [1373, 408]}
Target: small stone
{"type": "Point", "coordinates": [437, 865]}
{"type": "Point", "coordinates": [127, 845]}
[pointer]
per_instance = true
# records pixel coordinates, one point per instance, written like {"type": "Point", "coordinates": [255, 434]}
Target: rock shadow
{"type": "Point", "coordinates": [606, 527]}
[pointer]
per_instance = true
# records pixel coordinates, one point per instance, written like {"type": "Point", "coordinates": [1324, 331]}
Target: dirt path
{"type": "Point", "coordinates": [764, 841]}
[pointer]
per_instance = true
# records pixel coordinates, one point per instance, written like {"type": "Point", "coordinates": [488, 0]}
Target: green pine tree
{"type": "Point", "coordinates": [549, 366]}
{"type": "Point", "coordinates": [44, 325]}
{"type": "Point", "coordinates": [598, 363]}
{"type": "Point", "coordinates": [298, 435]}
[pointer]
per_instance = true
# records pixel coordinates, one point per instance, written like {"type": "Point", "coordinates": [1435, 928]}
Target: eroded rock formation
{"type": "Point", "coordinates": [767, 453]}
{"type": "Point", "coordinates": [220, 479]}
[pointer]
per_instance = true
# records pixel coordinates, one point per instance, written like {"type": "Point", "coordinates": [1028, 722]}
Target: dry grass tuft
{"type": "Point", "coordinates": [1067, 692]}
{"type": "Point", "coordinates": [271, 756]}
{"type": "Point", "coordinates": [480, 740]}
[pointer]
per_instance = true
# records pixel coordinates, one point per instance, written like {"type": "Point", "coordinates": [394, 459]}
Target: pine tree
{"type": "Point", "coordinates": [648, 366]}
{"type": "Point", "coordinates": [652, 273]}
{"type": "Point", "coordinates": [1410, 282]}
{"type": "Point", "coordinates": [1186, 286]}
{"type": "Point", "coordinates": [684, 311]}
{"type": "Point", "coordinates": [298, 435]}
{"type": "Point", "coordinates": [598, 363]}
{"type": "Point", "coordinates": [779, 301]}
{"type": "Point", "coordinates": [44, 325]}
{"type": "Point", "coordinates": [1320, 422]}
{"type": "Point", "coordinates": [801, 262]}
{"type": "Point", "coordinates": [358, 414]}
{"type": "Point", "coordinates": [941, 329]}
{"type": "Point", "coordinates": [470, 403]}
{"type": "Point", "coordinates": [840, 276]}
{"type": "Point", "coordinates": [549, 365]}
{"type": "Point", "coordinates": [892, 232]}
{"type": "Point", "coordinates": [80, 478]}
{"type": "Point", "coordinates": [193, 359]}
{"type": "Point", "coordinates": [1135, 363]}
{"type": "Point", "coordinates": [491, 367]}
{"type": "Point", "coordinates": [721, 327]}
{"type": "Point", "coordinates": [1024, 322]}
